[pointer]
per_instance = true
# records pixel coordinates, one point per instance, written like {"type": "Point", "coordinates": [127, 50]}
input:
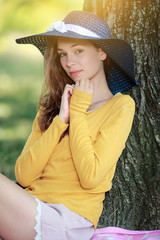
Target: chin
{"type": "Point", "coordinates": [76, 79]}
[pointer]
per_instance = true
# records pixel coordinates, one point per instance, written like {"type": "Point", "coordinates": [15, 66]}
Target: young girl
{"type": "Point", "coordinates": [80, 130]}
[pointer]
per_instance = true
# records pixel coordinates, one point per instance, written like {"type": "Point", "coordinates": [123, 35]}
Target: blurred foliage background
{"type": "Point", "coordinates": [21, 70]}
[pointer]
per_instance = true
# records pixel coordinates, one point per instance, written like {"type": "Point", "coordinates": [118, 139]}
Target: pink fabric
{"type": "Point", "coordinates": [57, 222]}
{"type": "Point", "coordinates": [115, 233]}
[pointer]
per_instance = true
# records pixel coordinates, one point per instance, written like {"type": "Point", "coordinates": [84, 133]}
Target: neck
{"type": "Point", "coordinates": [102, 92]}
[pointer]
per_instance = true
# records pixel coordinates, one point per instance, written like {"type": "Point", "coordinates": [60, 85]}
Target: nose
{"type": "Point", "coordinates": [70, 60]}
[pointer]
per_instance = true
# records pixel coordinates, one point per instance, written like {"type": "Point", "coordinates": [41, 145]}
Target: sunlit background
{"type": "Point", "coordinates": [21, 70]}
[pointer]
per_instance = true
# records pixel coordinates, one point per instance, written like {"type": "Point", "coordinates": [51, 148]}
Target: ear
{"type": "Point", "coordinates": [102, 54]}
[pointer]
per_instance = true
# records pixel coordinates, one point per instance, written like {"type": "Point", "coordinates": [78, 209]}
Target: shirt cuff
{"type": "Point", "coordinates": [80, 101]}
{"type": "Point", "coordinates": [59, 123]}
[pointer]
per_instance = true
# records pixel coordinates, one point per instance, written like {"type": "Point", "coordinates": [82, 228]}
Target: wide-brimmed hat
{"type": "Point", "coordinates": [87, 25]}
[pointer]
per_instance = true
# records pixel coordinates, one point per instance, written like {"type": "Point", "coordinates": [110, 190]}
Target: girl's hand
{"type": "Point", "coordinates": [85, 85]}
{"type": "Point", "coordinates": [65, 101]}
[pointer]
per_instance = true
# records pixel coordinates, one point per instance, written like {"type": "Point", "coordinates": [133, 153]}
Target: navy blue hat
{"type": "Point", "coordinates": [87, 25]}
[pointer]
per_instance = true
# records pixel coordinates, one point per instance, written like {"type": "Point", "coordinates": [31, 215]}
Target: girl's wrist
{"type": "Point", "coordinates": [65, 120]}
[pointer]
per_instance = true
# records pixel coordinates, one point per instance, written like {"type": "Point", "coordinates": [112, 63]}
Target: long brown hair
{"type": "Point", "coordinates": [55, 81]}
{"type": "Point", "coordinates": [54, 84]}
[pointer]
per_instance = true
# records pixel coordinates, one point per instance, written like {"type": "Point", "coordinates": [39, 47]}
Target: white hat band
{"type": "Point", "coordinates": [62, 27]}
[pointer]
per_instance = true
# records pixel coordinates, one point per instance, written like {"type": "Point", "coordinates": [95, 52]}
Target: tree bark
{"type": "Point", "coordinates": [134, 200]}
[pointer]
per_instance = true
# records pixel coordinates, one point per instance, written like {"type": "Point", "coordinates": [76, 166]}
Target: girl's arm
{"type": "Point", "coordinates": [37, 151]}
{"type": "Point", "coordinates": [94, 161]}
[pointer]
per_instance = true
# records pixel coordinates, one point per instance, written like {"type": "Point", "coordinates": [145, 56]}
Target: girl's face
{"type": "Point", "coordinates": [80, 59]}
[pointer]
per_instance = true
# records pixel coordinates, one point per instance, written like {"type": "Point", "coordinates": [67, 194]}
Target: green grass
{"type": "Point", "coordinates": [20, 86]}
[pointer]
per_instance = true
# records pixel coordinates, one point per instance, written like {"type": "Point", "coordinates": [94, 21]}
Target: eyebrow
{"type": "Point", "coordinates": [74, 45]}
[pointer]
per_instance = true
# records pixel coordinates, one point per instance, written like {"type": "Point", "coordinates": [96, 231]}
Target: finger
{"type": "Point", "coordinates": [81, 82]}
{"type": "Point", "coordinates": [87, 84]}
{"type": "Point", "coordinates": [70, 91]}
{"type": "Point", "coordinates": [69, 86]}
{"type": "Point", "coordinates": [67, 91]}
{"type": "Point", "coordinates": [91, 84]}
{"type": "Point", "coordinates": [77, 84]}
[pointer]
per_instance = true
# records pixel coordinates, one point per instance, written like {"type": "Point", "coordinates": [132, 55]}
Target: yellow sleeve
{"type": "Point", "coordinates": [94, 161]}
{"type": "Point", "coordinates": [37, 151]}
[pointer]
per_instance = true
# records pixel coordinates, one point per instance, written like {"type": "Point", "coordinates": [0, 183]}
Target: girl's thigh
{"type": "Point", "coordinates": [17, 212]}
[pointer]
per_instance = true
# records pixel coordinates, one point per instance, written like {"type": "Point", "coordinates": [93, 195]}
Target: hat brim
{"type": "Point", "coordinates": [119, 52]}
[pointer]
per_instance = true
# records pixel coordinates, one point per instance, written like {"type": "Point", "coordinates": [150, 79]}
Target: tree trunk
{"type": "Point", "coordinates": [134, 200]}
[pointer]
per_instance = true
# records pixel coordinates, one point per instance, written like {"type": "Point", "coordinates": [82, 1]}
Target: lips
{"type": "Point", "coordinates": [75, 73]}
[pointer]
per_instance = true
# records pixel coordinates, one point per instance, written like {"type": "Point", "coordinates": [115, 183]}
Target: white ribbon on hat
{"type": "Point", "coordinates": [63, 28]}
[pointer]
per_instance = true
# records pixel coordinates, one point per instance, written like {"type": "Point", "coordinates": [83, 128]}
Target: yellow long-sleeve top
{"type": "Point", "coordinates": [78, 170]}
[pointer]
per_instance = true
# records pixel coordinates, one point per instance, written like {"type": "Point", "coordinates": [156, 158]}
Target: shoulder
{"type": "Point", "coordinates": [123, 99]}
{"type": "Point", "coordinates": [123, 102]}
{"type": "Point", "coordinates": [121, 114]}
{"type": "Point", "coordinates": [122, 109]}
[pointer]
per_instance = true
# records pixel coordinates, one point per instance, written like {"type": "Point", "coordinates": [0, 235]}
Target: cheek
{"type": "Point", "coordinates": [93, 61]}
{"type": "Point", "coordinates": [62, 62]}
{"type": "Point", "coordinates": [87, 61]}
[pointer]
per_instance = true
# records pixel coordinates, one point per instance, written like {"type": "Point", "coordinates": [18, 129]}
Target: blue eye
{"type": "Point", "coordinates": [79, 51]}
{"type": "Point", "coordinates": [62, 54]}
